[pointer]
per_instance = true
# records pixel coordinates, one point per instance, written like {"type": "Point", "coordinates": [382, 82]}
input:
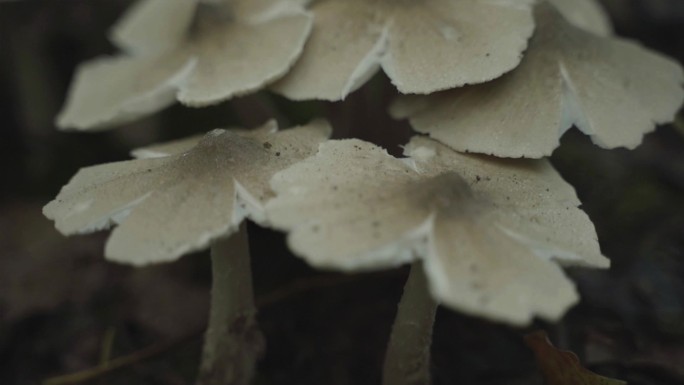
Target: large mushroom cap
{"type": "Point", "coordinates": [422, 45]}
{"type": "Point", "coordinates": [489, 231]}
{"type": "Point", "coordinates": [612, 89]}
{"type": "Point", "coordinates": [198, 53]}
{"type": "Point", "coordinates": [169, 206]}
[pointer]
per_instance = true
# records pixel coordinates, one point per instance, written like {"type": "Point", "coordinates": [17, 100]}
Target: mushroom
{"type": "Point", "coordinates": [612, 89]}
{"type": "Point", "coordinates": [197, 52]}
{"type": "Point", "coordinates": [489, 233]}
{"type": "Point", "coordinates": [172, 205]}
{"type": "Point", "coordinates": [423, 45]}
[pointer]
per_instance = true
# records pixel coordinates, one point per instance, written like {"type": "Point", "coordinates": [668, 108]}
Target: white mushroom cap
{"type": "Point", "coordinates": [489, 231]}
{"type": "Point", "coordinates": [169, 206]}
{"type": "Point", "coordinates": [422, 45]}
{"type": "Point", "coordinates": [612, 89]}
{"type": "Point", "coordinates": [188, 52]}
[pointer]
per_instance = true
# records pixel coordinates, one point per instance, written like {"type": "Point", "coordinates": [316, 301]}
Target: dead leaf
{"type": "Point", "coordinates": [561, 367]}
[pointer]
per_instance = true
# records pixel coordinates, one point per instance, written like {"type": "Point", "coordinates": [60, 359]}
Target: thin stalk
{"type": "Point", "coordinates": [407, 361]}
{"type": "Point", "coordinates": [233, 342]}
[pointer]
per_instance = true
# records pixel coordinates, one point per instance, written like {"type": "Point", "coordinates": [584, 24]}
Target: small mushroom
{"type": "Point", "coordinates": [186, 201]}
{"type": "Point", "coordinates": [422, 45]}
{"type": "Point", "coordinates": [612, 89]}
{"type": "Point", "coordinates": [489, 233]}
{"type": "Point", "coordinates": [196, 52]}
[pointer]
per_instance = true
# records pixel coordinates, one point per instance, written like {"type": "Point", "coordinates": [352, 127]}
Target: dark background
{"type": "Point", "coordinates": [64, 309]}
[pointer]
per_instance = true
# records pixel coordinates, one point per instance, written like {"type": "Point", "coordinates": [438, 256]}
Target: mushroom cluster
{"type": "Point", "coordinates": [487, 234]}
{"type": "Point", "coordinates": [198, 52]}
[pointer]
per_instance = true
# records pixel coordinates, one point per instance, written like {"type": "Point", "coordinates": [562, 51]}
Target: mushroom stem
{"type": "Point", "coordinates": [407, 361]}
{"type": "Point", "coordinates": [233, 342]}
